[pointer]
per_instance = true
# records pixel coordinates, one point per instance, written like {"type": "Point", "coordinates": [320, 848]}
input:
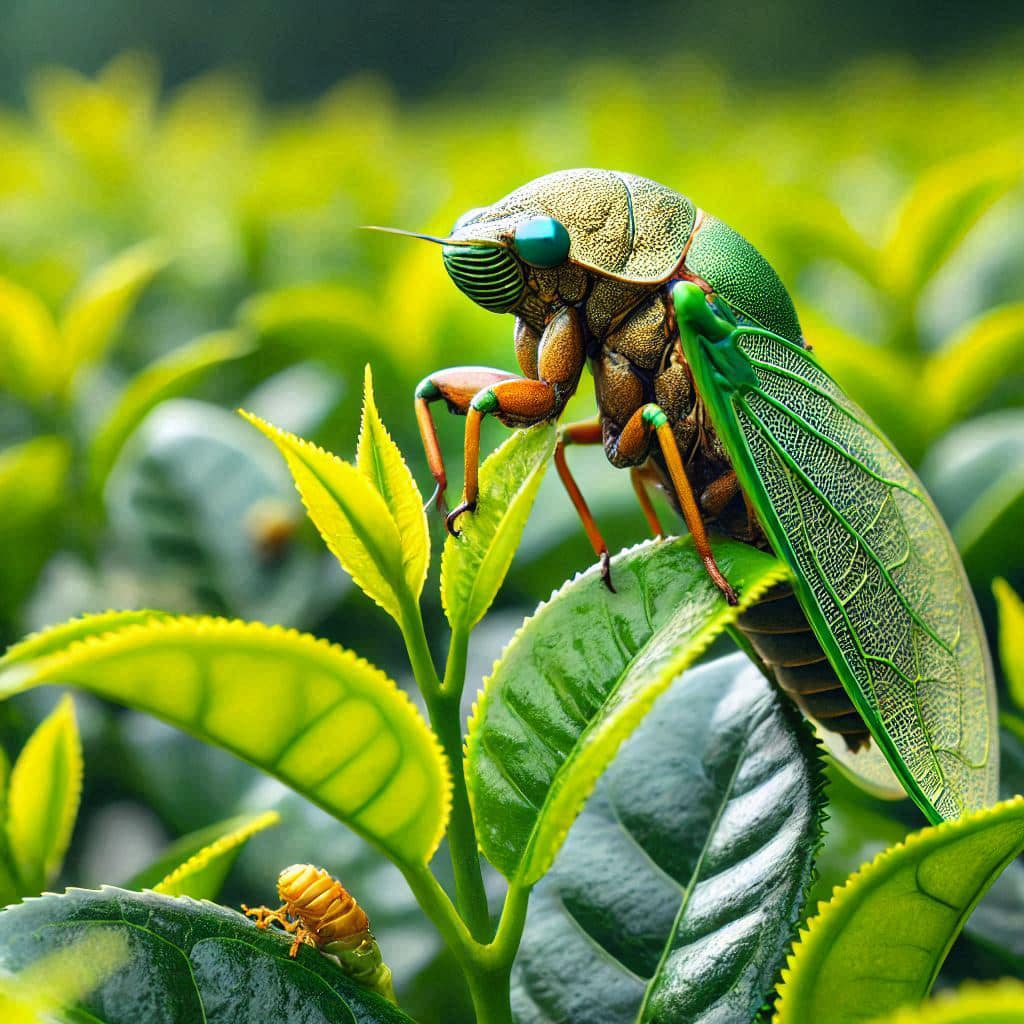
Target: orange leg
{"type": "Point", "coordinates": [587, 432]}
{"type": "Point", "coordinates": [456, 386]}
{"type": "Point", "coordinates": [633, 439]}
{"type": "Point", "coordinates": [636, 476]}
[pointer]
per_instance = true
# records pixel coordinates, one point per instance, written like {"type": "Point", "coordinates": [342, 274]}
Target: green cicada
{"type": "Point", "coordinates": [706, 387]}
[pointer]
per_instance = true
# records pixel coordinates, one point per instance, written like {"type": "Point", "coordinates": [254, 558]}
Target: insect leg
{"type": "Point", "coordinates": [586, 432]}
{"type": "Point", "coordinates": [636, 476]}
{"type": "Point", "coordinates": [522, 401]}
{"type": "Point", "coordinates": [633, 438]}
{"type": "Point", "coordinates": [456, 386]}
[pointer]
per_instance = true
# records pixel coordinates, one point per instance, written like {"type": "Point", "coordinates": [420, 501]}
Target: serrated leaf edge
{"type": "Point", "coordinates": [931, 835]}
{"type": "Point", "coordinates": [190, 624]}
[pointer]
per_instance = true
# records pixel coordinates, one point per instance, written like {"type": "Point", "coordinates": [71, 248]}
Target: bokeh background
{"type": "Point", "coordinates": [181, 187]}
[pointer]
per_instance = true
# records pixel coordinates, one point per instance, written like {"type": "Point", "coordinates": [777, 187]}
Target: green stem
{"type": "Point", "coordinates": [443, 706]}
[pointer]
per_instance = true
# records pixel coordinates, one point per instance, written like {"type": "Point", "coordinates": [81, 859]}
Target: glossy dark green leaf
{"type": "Point", "coordinates": [579, 677]}
{"type": "Point", "coordinates": [678, 890]}
{"type": "Point", "coordinates": [189, 961]}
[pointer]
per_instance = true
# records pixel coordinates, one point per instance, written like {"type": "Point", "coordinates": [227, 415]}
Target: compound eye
{"type": "Point", "coordinates": [541, 242]}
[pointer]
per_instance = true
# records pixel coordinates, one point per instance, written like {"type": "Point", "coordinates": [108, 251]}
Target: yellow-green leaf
{"type": "Point", "coordinates": [161, 380]}
{"type": "Point", "coordinates": [319, 718]}
{"type": "Point", "coordinates": [379, 458]}
{"type": "Point", "coordinates": [32, 478]}
{"type": "Point", "coordinates": [350, 514]}
{"type": "Point", "coordinates": [46, 783]}
{"type": "Point", "coordinates": [960, 376]}
{"type": "Point", "coordinates": [1011, 638]}
{"type": "Point", "coordinates": [942, 207]}
{"type": "Point", "coordinates": [206, 857]}
{"type": "Point", "coordinates": [879, 942]}
{"type": "Point", "coordinates": [29, 346]}
{"type": "Point", "coordinates": [98, 310]}
{"type": "Point", "coordinates": [1000, 1002]}
{"type": "Point", "coordinates": [474, 564]}
{"type": "Point", "coordinates": [10, 890]}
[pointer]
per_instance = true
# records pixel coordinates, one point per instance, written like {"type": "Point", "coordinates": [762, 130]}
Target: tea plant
{"type": "Point", "coordinates": [676, 894]}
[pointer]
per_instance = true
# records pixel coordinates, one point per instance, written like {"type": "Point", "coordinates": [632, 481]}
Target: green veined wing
{"type": "Point", "coordinates": [876, 570]}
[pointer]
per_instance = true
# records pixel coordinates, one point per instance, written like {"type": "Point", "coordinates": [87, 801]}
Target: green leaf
{"type": "Point", "coordinates": [961, 375]}
{"type": "Point", "coordinates": [1011, 638]}
{"type": "Point", "coordinates": [98, 310]}
{"type": "Point", "coordinates": [350, 514]}
{"type": "Point", "coordinates": [59, 979]}
{"type": "Point", "coordinates": [29, 344]}
{"type": "Point", "coordinates": [678, 891]}
{"type": "Point", "coordinates": [197, 865]}
{"type": "Point", "coordinates": [10, 889]}
{"type": "Point", "coordinates": [380, 460]}
{"type": "Point", "coordinates": [189, 961]}
{"type": "Point", "coordinates": [881, 939]}
{"type": "Point", "coordinates": [976, 476]}
{"type": "Point", "coordinates": [317, 717]}
{"type": "Point", "coordinates": [474, 564]}
{"type": "Point", "coordinates": [578, 678]}
{"type": "Point", "coordinates": [161, 380]}
{"type": "Point", "coordinates": [1001, 1002]}
{"type": "Point", "coordinates": [46, 783]}
{"type": "Point", "coordinates": [936, 215]}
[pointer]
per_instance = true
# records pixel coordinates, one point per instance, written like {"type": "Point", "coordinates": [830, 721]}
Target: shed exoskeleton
{"type": "Point", "coordinates": [706, 388]}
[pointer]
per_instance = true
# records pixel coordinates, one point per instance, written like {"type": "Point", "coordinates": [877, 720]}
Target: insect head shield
{"type": "Point", "coordinates": [491, 276]}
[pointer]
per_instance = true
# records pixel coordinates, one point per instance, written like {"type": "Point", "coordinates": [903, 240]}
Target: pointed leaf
{"type": "Point", "coordinates": [1000, 1002]}
{"type": "Point", "coordinates": [317, 717]}
{"type": "Point", "coordinates": [678, 891]}
{"type": "Point", "coordinates": [97, 312]}
{"type": "Point", "coordinates": [46, 783]}
{"type": "Point", "coordinates": [163, 379]}
{"type": "Point", "coordinates": [936, 215]}
{"type": "Point", "coordinates": [881, 939]}
{"type": "Point", "coordinates": [964, 373]}
{"type": "Point", "coordinates": [379, 458]}
{"type": "Point", "coordinates": [190, 961]}
{"type": "Point", "coordinates": [578, 678]}
{"type": "Point", "coordinates": [29, 345]}
{"type": "Point", "coordinates": [474, 564]}
{"type": "Point", "coordinates": [202, 874]}
{"type": "Point", "coordinates": [350, 514]}
{"type": "Point", "coordinates": [1011, 639]}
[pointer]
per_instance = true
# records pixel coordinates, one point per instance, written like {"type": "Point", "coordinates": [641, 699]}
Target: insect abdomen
{"type": "Point", "coordinates": [778, 631]}
{"type": "Point", "coordinates": [322, 904]}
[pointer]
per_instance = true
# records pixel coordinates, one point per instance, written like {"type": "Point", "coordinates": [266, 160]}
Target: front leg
{"type": "Point", "coordinates": [520, 401]}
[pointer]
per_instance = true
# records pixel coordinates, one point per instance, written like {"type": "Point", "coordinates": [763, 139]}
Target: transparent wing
{"type": "Point", "coordinates": [878, 574]}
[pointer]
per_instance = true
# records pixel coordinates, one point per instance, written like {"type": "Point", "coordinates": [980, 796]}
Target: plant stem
{"type": "Point", "coordinates": [443, 706]}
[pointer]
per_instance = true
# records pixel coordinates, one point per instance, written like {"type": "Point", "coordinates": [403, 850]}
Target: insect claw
{"type": "Point", "coordinates": [437, 500]}
{"type": "Point", "coordinates": [606, 572]}
{"type": "Point", "coordinates": [449, 521]}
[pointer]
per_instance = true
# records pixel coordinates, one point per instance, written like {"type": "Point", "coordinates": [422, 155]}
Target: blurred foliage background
{"type": "Point", "coordinates": [179, 237]}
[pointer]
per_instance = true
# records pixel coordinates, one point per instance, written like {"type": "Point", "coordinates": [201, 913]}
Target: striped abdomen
{"type": "Point", "coordinates": [778, 631]}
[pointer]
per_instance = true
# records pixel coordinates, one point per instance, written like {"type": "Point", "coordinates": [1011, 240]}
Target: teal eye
{"type": "Point", "coordinates": [542, 242]}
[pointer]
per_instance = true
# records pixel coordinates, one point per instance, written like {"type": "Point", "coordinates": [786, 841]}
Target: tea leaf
{"type": "Point", "coordinates": [578, 678]}
{"type": "Point", "coordinates": [474, 564]}
{"type": "Point", "coordinates": [201, 873]}
{"type": "Point", "coordinates": [1000, 1002]}
{"type": "Point", "coordinates": [46, 783]}
{"type": "Point", "coordinates": [194, 961]}
{"type": "Point", "coordinates": [317, 717]}
{"type": "Point", "coordinates": [352, 517]}
{"type": "Point", "coordinates": [161, 380]}
{"type": "Point", "coordinates": [29, 344]}
{"type": "Point", "coordinates": [944, 204]}
{"type": "Point", "coordinates": [677, 893]}
{"type": "Point", "coordinates": [379, 458]}
{"type": "Point", "coordinates": [1011, 638]}
{"type": "Point", "coordinates": [881, 939]}
{"type": "Point", "coordinates": [104, 302]}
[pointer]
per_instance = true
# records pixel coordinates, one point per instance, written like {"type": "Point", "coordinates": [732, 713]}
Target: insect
{"type": "Point", "coordinates": [706, 388]}
{"type": "Point", "coordinates": [319, 912]}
